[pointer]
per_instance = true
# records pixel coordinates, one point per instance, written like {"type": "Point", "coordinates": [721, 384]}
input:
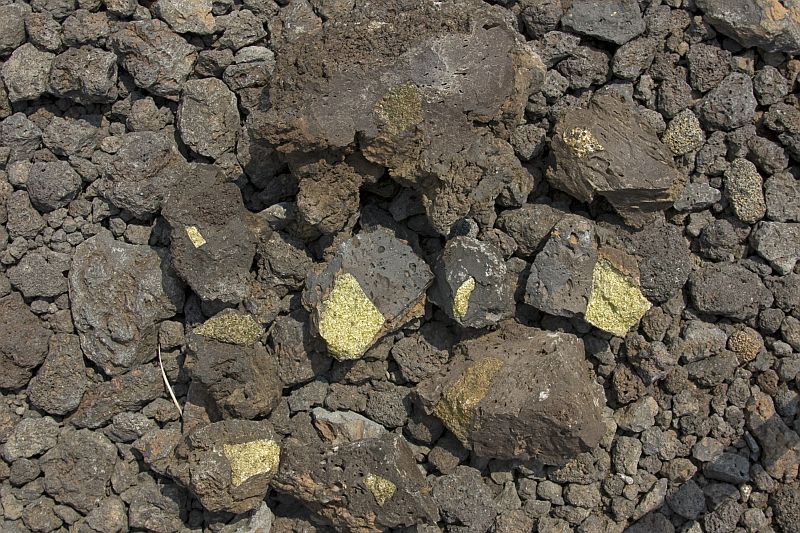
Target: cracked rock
{"type": "Point", "coordinates": [606, 150]}
{"type": "Point", "coordinates": [186, 16]}
{"type": "Point", "coordinates": [471, 285]}
{"type": "Point", "coordinates": [119, 293]}
{"type": "Point", "coordinates": [519, 393]}
{"type": "Point", "coordinates": [373, 285]}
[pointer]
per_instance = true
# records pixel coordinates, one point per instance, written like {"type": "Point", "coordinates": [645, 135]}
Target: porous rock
{"type": "Point", "coordinates": [208, 117]}
{"type": "Point", "coordinates": [58, 386]}
{"type": "Point", "coordinates": [772, 26]}
{"type": "Point", "coordinates": [728, 289]}
{"type": "Point", "coordinates": [23, 341]}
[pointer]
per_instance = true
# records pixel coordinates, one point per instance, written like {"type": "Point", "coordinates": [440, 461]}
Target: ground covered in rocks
{"type": "Point", "coordinates": [401, 265]}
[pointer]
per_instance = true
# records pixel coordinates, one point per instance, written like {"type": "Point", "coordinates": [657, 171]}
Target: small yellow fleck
{"type": "Point", "coordinates": [195, 236]}
{"type": "Point", "coordinates": [616, 303]}
{"type": "Point", "coordinates": [582, 141]}
{"type": "Point", "coordinates": [400, 108]}
{"type": "Point", "coordinates": [349, 321]}
{"type": "Point", "coordinates": [461, 300]}
{"type": "Point", "coordinates": [456, 408]}
{"type": "Point", "coordinates": [251, 459]}
{"type": "Point", "coordinates": [231, 326]}
{"type": "Point", "coordinates": [381, 488]}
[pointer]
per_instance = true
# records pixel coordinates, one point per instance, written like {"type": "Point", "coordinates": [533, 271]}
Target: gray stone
{"type": "Point", "coordinates": [782, 196]}
{"type": "Point", "coordinates": [69, 136]}
{"type": "Point", "coordinates": [780, 445]}
{"type": "Point", "coordinates": [21, 135]}
{"type": "Point", "coordinates": [158, 59]}
{"type": "Point", "coordinates": [607, 151]}
{"type": "Point", "coordinates": [744, 189]}
{"type": "Point", "coordinates": [696, 197]}
{"type": "Point", "coordinates": [35, 277]}
{"type": "Point", "coordinates": [778, 243]}
{"type": "Point", "coordinates": [240, 28]}
{"type": "Point", "coordinates": [637, 416]}
{"type": "Point", "coordinates": [616, 21]}
{"type": "Point", "coordinates": [687, 500]}
{"type": "Point", "coordinates": [471, 285]}
{"type": "Point", "coordinates": [724, 518]}
{"type": "Point", "coordinates": [12, 26]}
{"type": "Point", "coordinates": [560, 280]}
{"type": "Point", "coordinates": [344, 427]}
{"type": "Point", "coordinates": [770, 86]}
{"type": "Point", "coordinates": [208, 117]}
{"type": "Point", "coordinates": [772, 27]}
{"type": "Point", "coordinates": [728, 289]}
{"type": "Point", "coordinates": [625, 455]}
{"type": "Point", "coordinates": [25, 73]}
{"type": "Point", "coordinates": [465, 500]}
{"type": "Point", "coordinates": [186, 16]}
{"type": "Point", "coordinates": [117, 315]}
{"type": "Point", "coordinates": [728, 467]}
{"type": "Point", "coordinates": [30, 437]}
{"type": "Point", "coordinates": [85, 75]}
{"type": "Point", "coordinates": [730, 105]}
{"type": "Point", "coordinates": [52, 185]}
{"type": "Point", "coordinates": [785, 503]}
{"type": "Point", "coordinates": [23, 342]}
{"type": "Point", "coordinates": [529, 225]}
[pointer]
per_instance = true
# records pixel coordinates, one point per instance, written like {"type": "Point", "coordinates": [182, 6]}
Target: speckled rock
{"type": "Point", "coordinates": [683, 133]}
{"type": "Point", "coordinates": [23, 342]}
{"type": "Point", "coordinates": [744, 189]}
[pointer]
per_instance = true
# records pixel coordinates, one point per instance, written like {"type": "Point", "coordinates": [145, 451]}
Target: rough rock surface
{"type": "Point", "coordinates": [58, 386]}
{"type": "Point", "coordinates": [23, 342]}
{"type": "Point", "coordinates": [772, 26]}
{"type": "Point", "coordinates": [509, 388]}
{"type": "Point", "coordinates": [208, 117]}
{"type": "Point", "coordinates": [120, 292]}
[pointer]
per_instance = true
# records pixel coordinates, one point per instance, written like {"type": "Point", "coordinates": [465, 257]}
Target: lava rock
{"type": "Point", "coordinates": [367, 486]}
{"type": "Point", "coordinates": [518, 393]}
{"type": "Point", "coordinates": [35, 277]}
{"type": "Point", "coordinates": [762, 23]}
{"type": "Point", "coordinates": [778, 243]}
{"type": "Point", "coordinates": [117, 315]}
{"type": "Point", "coordinates": [29, 438]}
{"type": "Point", "coordinates": [464, 500]}
{"type": "Point", "coordinates": [23, 342]}
{"type": "Point", "coordinates": [683, 133]}
{"type": "Point", "coordinates": [344, 427]}
{"type": "Point", "coordinates": [212, 244]}
{"type": "Point", "coordinates": [186, 16]}
{"type": "Point", "coordinates": [785, 503]}
{"type": "Point", "coordinates": [744, 189]}
{"type": "Point", "coordinates": [560, 280]}
{"type": "Point", "coordinates": [12, 26]}
{"type": "Point", "coordinates": [84, 75]}
{"type": "Point", "coordinates": [664, 260]}
{"type": "Point", "coordinates": [780, 445]}
{"type": "Point", "coordinates": [52, 185]}
{"type": "Point", "coordinates": [471, 286]}
{"type": "Point", "coordinates": [58, 386]}
{"type": "Point", "coordinates": [25, 73]}
{"type": "Point", "coordinates": [374, 284]}
{"type": "Point", "coordinates": [616, 21]}
{"type": "Point", "coordinates": [730, 105]}
{"type": "Point", "coordinates": [607, 151]}
{"type": "Point", "coordinates": [728, 289]}
{"type": "Point", "coordinates": [158, 59]}
{"type": "Point", "coordinates": [782, 196]}
{"type": "Point", "coordinates": [529, 225]}
{"type": "Point", "coordinates": [208, 117]}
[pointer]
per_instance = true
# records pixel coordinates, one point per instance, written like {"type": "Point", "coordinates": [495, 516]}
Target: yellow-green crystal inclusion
{"type": "Point", "coordinates": [461, 300]}
{"type": "Point", "coordinates": [400, 108]}
{"type": "Point", "coordinates": [456, 408]}
{"type": "Point", "coordinates": [251, 459]}
{"type": "Point", "coordinates": [195, 236]}
{"type": "Point", "coordinates": [348, 320]}
{"type": "Point", "coordinates": [232, 327]}
{"type": "Point", "coordinates": [381, 488]}
{"type": "Point", "coordinates": [616, 303]}
{"type": "Point", "coordinates": [582, 141]}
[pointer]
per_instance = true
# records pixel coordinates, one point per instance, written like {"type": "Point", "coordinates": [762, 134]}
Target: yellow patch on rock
{"type": "Point", "coordinates": [381, 488]}
{"type": "Point", "coordinates": [582, 141]}
{"type": "Point", "coordinates": [251, 459]}
{"type": "Point", "coordinates": [461, 300]}
{"type": "Point", "coordinates": [616, 303]}
{"type": "Point", "coordinates": [233, 327]}
{"type": "Point", "coordinates": [195, 236]}
{"type": "Point", "coordinates": [456, 408]}
{"type": "Point", "coordinates": [400, 108]}
{"type": "Point", "coordinates": [348, 320]}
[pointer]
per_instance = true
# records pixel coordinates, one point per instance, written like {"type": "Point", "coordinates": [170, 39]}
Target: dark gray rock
{"type": "Point", "coordinates": [471, 285]}
{"type": "Point", "coordinates": [728, 289]}
{"type": "Point", "coordinates": [560, 280]}
{"type": "Point", "coordinates": [708, 66]}
{"type": "Point", "coordinates": [85, 27]}
{"type": "Point", "coordinates": [29, 438]}
{"type": "Point", "coordinates": [25, 73]}
{"type": "Point", "coordinates": [208, 117]}
{"type": "Point", "coordinates": [23, 219]}
{"type": "Point", "coordinates": [21, 136]}
{"type": "Point", "coordinates": [85, 75]}
{"type": "Point", "coordinates": [778, 243]}
{"type": "Point", "coordinates": [529, 225]}
{"type": "Point", "coordinates": [770, 86]}
{"type": "Point", "coordinates": [370, 485]}
{"type": "Point", "coordinates": [607, 151]}
{"type": "Point", "coordinates": [52, 185]}
{"type": "Point", "coordinates": [519, 393]}
{"type": "Point", "coordinates": [464, 500]}
{"type": "Point", "coordinates": [187, 16]}
{"type": "Point", "coordinates": [765, 24]}
{"type": "Point", "coordinates": [728, 467]}
{"type": "Point", "coordinates": [78, 469]}
{"type": "Point", "coordinates": [12, 26]}
{"type": "Point", "coordinates": [665, 260]}
{"type": "Point", "coordinates": [301, 357]}
{"type": "Point", "coordinates": [730, 105]}
{"type": "Point", "coordinates": [117, 315]}
{"type": "Point", "coordinates": [158, 59]}
{"type": "Point", "coordinates": [785, 503]}
{"type": "Point", "coordinates": [35, 277]}
{"type": "Point", "coordinates": [616, 21]}
{"type": "Point", "coordinates": [23, 342]}
{"type": "Point", "coordinates": [69, 136]}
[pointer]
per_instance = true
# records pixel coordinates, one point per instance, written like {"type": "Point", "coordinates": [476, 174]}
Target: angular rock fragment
{"type": "Point", "coordinates": [85, 75]}
{"type": "Point", "coordinates": [770, 25]}
{"type": "Point", "coordinates": [616, 21]}
{"type": "Point", "coordinates": [519, 393]}
{"type": "Point", "coordinates": [369, 485]}
{"type": "Point", "coordinates": [12, 26]}
{"type": "Point", "coordinates": [616, 303]}
{"type": "Point", "coordinates": [119, 294]}
{"type": "Point", "coordinates": [465, 500]}
{"type": "Point", "coordinates": [560, 281]}
{"type": "Point", "coordinates": [228, 465]}
{"type": "Point", "coordinates": [58, 386]}
{"type": "Point", "coordinates": [241, 381]}
{"type": "Point", "coordinates": [374, 284]}
{"type": "Point", "coordinates": [344, 427]}
{"type": "Point", "coordinates": [23, 342]}
{"type": "Point", "coordinates": [211, 243]}
{"type": "Point", "coordinates": [208, 117]}
{"type": "Point", "coordinates": [35, 277]}
{"type": "Point", "coordinates": [420, 113]}
{"type": "Point", "coordinates": [52, 185]}
{"type": "Point", "coordinates": [529, 225]}
{"type": "Point", "coordinates": [158, 59]}
{"type": "Point", "coordinates": [780, 445]}
{"type": "Point", "coordinates": [25, 73]}
{"type": "Point", "coordinates": [728, 289]}
{"type": "Point", "coordinates": [730, 105]}
{"type": "Point", "coordinates": [778, 243]}
{"type": "Point", "coordinates": [232, 327]}
{"type": "Point", "coordinates": [30, 437]}
{"type": "Point", "coordinates": [607, 150]}
{"type": "Point", "coordinates": [471, 286]}
{"type": "Point", "coordinates": [186, 16]}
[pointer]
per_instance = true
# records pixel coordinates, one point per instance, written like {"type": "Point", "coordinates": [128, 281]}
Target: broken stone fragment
{"type": "Point", "coordinates": [616, 303]}
{"type": "Point", "coordinates": [231, 326]}
{"type": "Point", "coordinates": [519, 393]}
{"type": "Point", "coordinates": [208, 116]}
{"type": "Point", "coordinates": [770, 25]}
{"type": "Point", "coordinates": [607, 150]}
{"type": "Point", "coordinates": [186, 16]}
{"type": "Point", "coordinates": [211, 243]}
{"type": "Point", "coordinates": [438, 121]}
{"type": "Point", "coordinates": [369, 485]}
{"type": "Point", "coordinates": [342, 427]}
{"type": "Point", "coordinates": [228, 465]}
{"type": "Point", "coordinates": [560, 280]}
{"type": "Point", "coordinates": [471, 283]}
{"type": "Point", "coordinates": [744, 188]}
{"type": "Point", "coordinates": [120, 293]}
{"type": "Point", "coordinates": [374, 284]}
{"type": "Point", "coordinates": [778, 243]}
{"type": "Point", "coordinates": [23, 342]}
